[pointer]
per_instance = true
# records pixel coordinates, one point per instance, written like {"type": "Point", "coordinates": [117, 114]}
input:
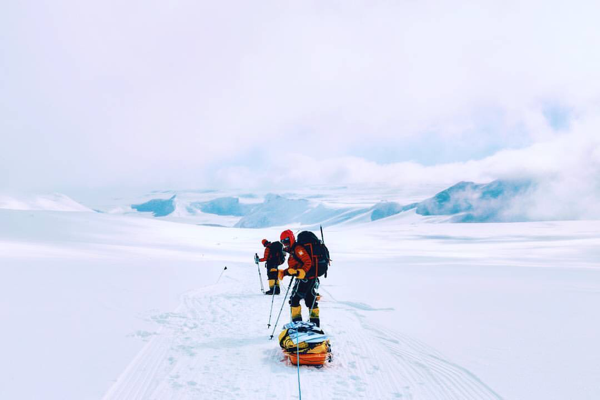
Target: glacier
{"type": "Point", "coordinates": [158, 207]}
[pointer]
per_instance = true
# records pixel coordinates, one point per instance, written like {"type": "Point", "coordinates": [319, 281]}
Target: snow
{"type": "Point", "coordinates": [224, 206]}
{"type": "Point", "coordinates": [275, 211]}
{"type": "Point", "coordinates": [311, 207]}
{"type": "Point", "coordinates": [158, 207]}
{"type": "Point", "coordinates": [388, 208]}
{"type": "Point", "coordinates": [120, 307]}
{"type": "Point", "coordinates": [50, 202]}
{"type": "Point", "coordinates": [470, 202]}
{"type": "Point", "coordinates": [497, 201]}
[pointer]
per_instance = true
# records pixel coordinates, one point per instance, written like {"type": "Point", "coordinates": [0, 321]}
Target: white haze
{"type": "Point", "coordinates": [566, 170]}
{"type": "Point", "coordinates": [154, 95]}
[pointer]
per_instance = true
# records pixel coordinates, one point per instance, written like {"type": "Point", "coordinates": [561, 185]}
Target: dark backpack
{"type": "Point", "coordinates": [276, 253]}
{"type": "Point", "coordinates": [319, 253]}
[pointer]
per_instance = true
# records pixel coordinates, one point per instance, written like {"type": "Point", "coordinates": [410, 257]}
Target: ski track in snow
{"type": "Point", "coordinates": [216, 345]}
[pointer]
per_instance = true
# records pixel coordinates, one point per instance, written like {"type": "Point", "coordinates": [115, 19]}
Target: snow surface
{"type": "Point", "coordinates": [110, 306]}
{"type": "Point", "coordinates": [50, 202]}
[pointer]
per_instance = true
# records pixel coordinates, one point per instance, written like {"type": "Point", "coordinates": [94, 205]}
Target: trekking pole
{"type": "Point", "coordinates": [262, 288]}
{"type": "Point", "coordinates": [282, 304]}
{"type": "Point", "coordinates": [221, 275]}
{"type": "Point", "coordinates": [271, 312]}
{"type": "Point", "coordinates": [298, 362]}
{"type": "Point", "coordinates": [314, 290]}
{"type": "Point", "coordinates": [317, 282]}
{"type": "Point", "coordinates": [323, 242]}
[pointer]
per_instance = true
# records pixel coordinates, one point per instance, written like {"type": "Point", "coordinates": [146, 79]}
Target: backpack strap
{"type": "Point", "coordinates": [314, 263]}
{"type": "Point", "coordinates": [293, 253]}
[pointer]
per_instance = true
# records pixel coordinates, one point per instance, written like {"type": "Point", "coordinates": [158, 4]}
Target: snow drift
{"type": "Point", "coordinates": [51, 202]}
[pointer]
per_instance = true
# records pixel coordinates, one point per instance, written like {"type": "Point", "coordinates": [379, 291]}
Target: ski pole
{"type": "Point", "coordinates": [282, 304]}
{"type": "Point", "coordinates": [317, 282]}
{"type": "Point", "coordinates": [262, 288]}
{"type": "Point", "coordinates": [271, 312]}
{"type": "Point", "coordinates": [221, 274]}
{"type": "Point", "coordinates": [298, 362]}
{"type": "Point", "coordinates": [323, 242]}
{"type": "Point", "coordinates": [314, 291]}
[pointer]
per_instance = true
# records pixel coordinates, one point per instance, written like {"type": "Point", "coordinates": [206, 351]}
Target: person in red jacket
{"type": "Point", "coordinates": [273, 258]}
{"type": "Point", "coordinates": [305, 288]}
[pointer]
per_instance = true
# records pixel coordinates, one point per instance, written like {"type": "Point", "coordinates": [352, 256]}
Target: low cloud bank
{"type": "Point", "coordinates": [564, 168]}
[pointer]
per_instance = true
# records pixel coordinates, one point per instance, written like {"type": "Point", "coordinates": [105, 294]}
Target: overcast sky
{"type": "Point", "coordinates": [196, 94]}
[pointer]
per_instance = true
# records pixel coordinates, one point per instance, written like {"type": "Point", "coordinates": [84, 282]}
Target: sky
{"type": "Point", "coordinates": [195, 94]}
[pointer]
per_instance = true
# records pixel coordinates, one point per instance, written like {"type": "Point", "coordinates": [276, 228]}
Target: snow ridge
{"type": "Point", "coordinates": [497, 201]}
{"type": "Point", "coordinates": [51, 202]}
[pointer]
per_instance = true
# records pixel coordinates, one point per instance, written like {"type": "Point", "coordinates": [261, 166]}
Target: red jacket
{"type": "Point", "coordinates": [299, 259]}
{"type": "Point", "coordinates": [266, 257]}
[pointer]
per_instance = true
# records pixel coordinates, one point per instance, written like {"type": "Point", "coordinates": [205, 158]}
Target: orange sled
{"type": "Point", "coordinates": [309, 359]}
{"type": "Point", "coordinates": [304, 343]}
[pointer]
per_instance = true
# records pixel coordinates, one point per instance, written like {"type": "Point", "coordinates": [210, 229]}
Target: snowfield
{"type": "Point", "coordinates": [116, 307]}
{"type": "Point", "coordinates": [49, 202]}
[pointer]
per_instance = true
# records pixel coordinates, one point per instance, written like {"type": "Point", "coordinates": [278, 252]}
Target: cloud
{"type": "Point", "coordinates": [570, 187]}
{"type": "Point", "coordinates": [187, 94]}
{"type": "Point", "coordinates": [565, 168]}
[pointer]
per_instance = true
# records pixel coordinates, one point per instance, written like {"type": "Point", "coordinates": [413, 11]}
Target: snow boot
{"type": "Point", "coordinates": [296, 314]}
{"type": "Point", "coordinates": [273, 287]}
{"type": "Point", "coordinates": [314, 317]}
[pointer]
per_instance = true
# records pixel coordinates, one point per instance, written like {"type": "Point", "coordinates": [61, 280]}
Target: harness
{"type": "Point", "coordinates": [313, 272]}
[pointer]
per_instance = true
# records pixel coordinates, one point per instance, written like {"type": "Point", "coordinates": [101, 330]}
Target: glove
{"type": "Point", "coordinates": [298, 273]}
{"type": "Point", "coordinates": [281, 274]}
{"type": "Point", "coordinates": [256, 259]}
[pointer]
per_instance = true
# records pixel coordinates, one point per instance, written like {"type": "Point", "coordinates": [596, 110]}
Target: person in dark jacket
{"type": "Point", "coordinates": [272, 258]}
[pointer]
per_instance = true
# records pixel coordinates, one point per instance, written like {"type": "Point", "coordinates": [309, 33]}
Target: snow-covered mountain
{"type": "Point", "coordinates": [471, 202]}
{"type": "Point", "coordinates": [498, 201]}
{"type": "Point", "coordinates": [158, 207]}
{"type": "Point", "coordinates": [463, 202]}
{"type": "Point", "coordinates": [272, 210]}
